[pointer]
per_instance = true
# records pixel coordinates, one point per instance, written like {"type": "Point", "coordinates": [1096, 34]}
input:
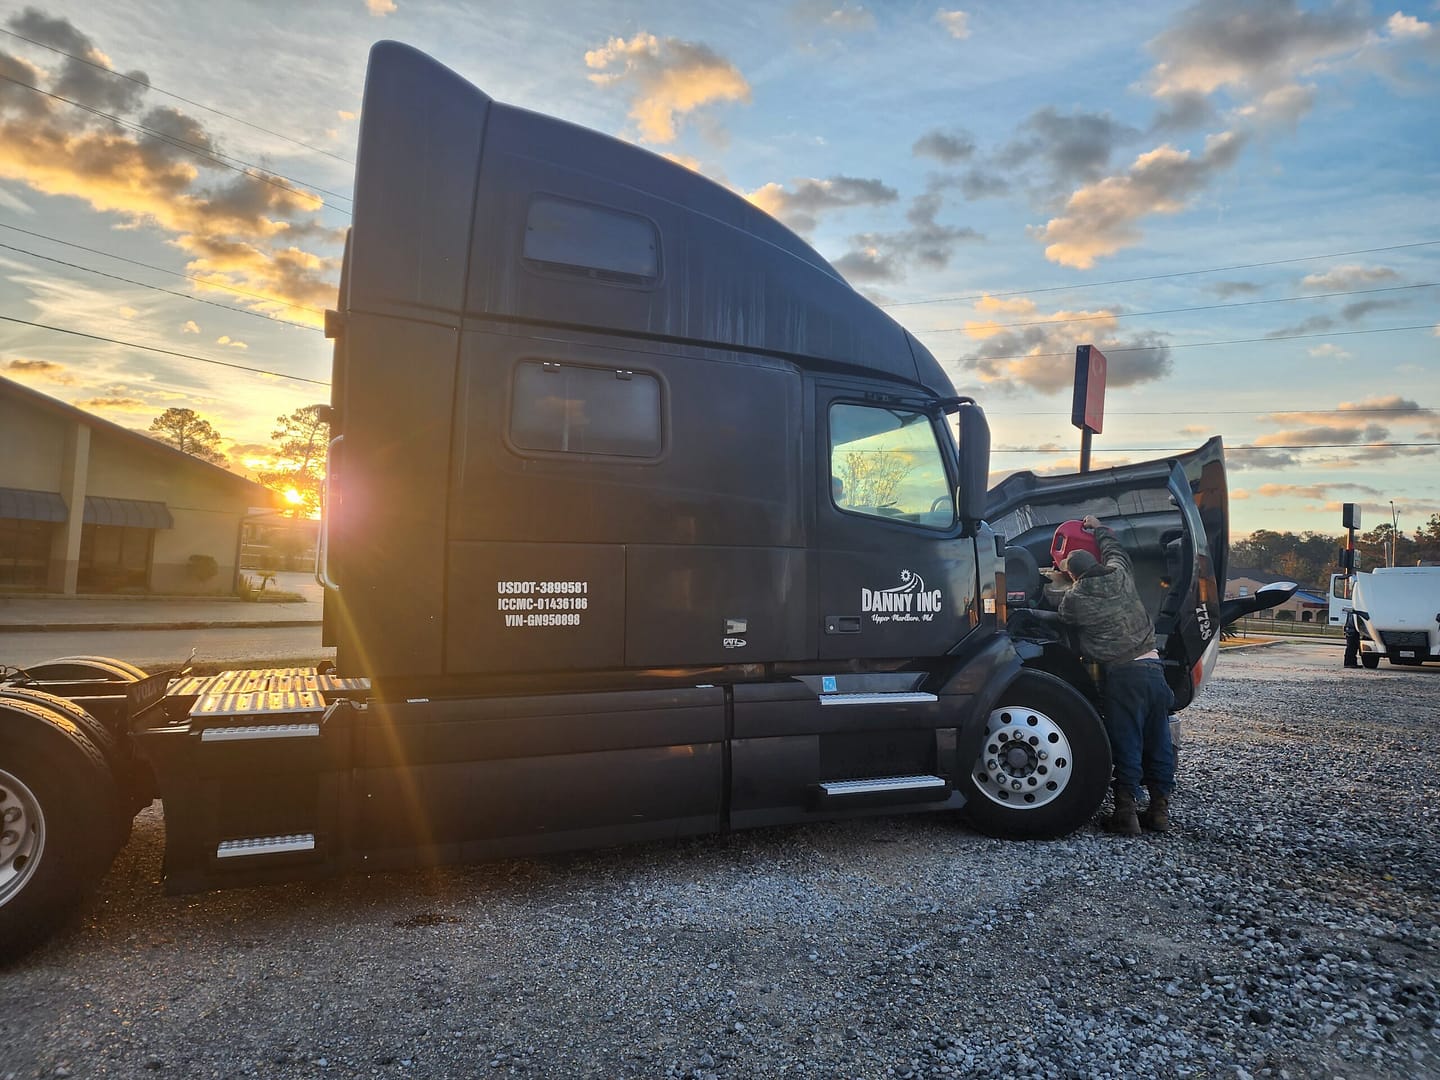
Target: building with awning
{"type": "Point", "coordinates": [87, 506]}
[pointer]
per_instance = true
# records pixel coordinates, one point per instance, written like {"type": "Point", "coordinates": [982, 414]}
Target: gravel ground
{"type": "Point", "coordinates": [1287, 928]}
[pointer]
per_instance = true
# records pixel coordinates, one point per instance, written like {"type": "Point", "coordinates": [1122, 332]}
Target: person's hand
{"type": "Point", "coordinates": [1055, 574]}
{"type": "Point", "coordinates": [1091, 522]}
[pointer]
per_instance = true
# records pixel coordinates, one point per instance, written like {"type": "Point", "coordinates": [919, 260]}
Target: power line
{"type": "Point", "coordinates": [1228, 449]}
{"type": "Point", "coordinates": [165, 352]}
{"type": "Point", "coordinates": [1159, 277]}
{"type": "Point", "coordinates": [1109, 350]}
{"type": "Point", "coordinates": [1416, 409]}
{"type": "Point", "coordinates": [177, 97]}
{"type": "Point", "coordinates": [211, 282]}
{"type": "Point", "coordinates": [249, 168]}
{"type": "Point", "coordinates": [1181, 310]}
{"type": "Point", "coordinates": [157, 288]}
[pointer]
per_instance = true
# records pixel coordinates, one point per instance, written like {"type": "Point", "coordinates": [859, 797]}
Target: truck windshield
{"type": "Point", "coordinates": [886, 462]}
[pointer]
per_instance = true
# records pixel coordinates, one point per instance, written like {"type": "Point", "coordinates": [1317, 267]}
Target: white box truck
{"type": "Point", "coordinates": [1398, 609]}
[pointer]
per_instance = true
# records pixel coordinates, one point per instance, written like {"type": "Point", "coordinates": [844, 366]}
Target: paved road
{"type": "Point", "coordinates": [156, 649]}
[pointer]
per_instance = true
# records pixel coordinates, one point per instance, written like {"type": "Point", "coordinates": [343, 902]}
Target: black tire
{"type": "Point", "coordinates": [1370, 660]}
{"type": "Point", "coordinates": [57, 801]}
{"type": "Point", "coordinates": [86, 667]}
{"type": "Point", "coordinates": [97, 733]}
{"type": "Point", "coordinates": [1060, 762]}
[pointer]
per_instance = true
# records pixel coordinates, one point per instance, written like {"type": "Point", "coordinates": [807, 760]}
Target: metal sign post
{"type": "Point", "coordinates": [1087, 409]}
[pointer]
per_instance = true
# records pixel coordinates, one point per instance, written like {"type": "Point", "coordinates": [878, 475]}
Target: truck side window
{"type": "Point", "coordinates": [582, 410]}
{"type": "Point", "coordinates": [886, 463]}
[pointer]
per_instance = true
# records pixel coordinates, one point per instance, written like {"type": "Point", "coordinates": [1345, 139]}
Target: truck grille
{"type": "Point", "coordinates": [1409, 639]}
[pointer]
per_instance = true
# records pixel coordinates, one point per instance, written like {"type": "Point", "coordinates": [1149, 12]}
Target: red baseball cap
{"type": "Point", "coordinates": [1072, 536]}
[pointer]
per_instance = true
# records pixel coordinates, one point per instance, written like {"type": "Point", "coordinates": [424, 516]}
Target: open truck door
{"type": "Point", "coordinates": [1172, 515]}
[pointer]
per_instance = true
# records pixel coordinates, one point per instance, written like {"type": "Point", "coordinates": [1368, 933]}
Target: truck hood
{"type": "Point", "coordinates": [1173, 516]}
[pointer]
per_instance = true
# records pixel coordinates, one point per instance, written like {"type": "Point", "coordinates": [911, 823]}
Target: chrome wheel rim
{"type": "Point", "coordinates": [22, 836]}
{"type": "Point", "coordinates": [1025, 760]}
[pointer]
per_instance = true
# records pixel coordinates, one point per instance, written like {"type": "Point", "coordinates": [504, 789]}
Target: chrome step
{"type": "Point", "coordinates": [248, 732]}
{"type": "Point", "coordinates": [265, 845]}
{"type": "Point", "coordinates": [884, 785]}
{"type": "Point", "coordinates": [909, 697]}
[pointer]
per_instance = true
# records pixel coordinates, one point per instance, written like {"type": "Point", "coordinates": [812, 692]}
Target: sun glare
{"type": "Point", "coordinates": [293, 497]}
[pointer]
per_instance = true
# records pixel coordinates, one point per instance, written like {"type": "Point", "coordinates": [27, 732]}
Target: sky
{"type": "Point", "coordinates": [1238, 202]}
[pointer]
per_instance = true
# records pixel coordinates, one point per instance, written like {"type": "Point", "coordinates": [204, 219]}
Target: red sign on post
{"type": "Point", "coordinates": [1087, 411]}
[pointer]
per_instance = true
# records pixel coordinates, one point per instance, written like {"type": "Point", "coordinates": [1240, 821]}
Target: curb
{"type": "Point", "coordinates": [238, 624]}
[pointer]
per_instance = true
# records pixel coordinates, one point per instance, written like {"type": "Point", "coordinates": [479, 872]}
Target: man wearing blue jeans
{"type": "Point", "coordinates": [1111, 626]}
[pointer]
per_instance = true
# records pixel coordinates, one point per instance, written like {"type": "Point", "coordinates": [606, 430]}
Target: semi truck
{"type": "Point", "coordinates": [640, 523]}
{"type": "Point", "coordinates": [1397, 609]}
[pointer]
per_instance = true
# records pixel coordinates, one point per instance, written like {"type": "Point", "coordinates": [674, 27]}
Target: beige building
{"type": "Point", "coordinates": [87, 506]}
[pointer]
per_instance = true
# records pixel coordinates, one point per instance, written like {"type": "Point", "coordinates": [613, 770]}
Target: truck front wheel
{"type": "Point", "coordinates": [1370, 659]}
{"type": "Point", "coordinates": [57, 804]}
{"type": "Point", "coordinates": [1044, 762]}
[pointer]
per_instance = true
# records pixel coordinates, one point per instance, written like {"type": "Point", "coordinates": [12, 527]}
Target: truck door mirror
{"type": "Point", "coordinates": [974, 450]}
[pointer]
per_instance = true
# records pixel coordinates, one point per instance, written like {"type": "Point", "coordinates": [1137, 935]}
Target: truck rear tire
{"type": "Point", "coordinates": [58, 803]}
{"type": "Point", "coordinates": [1044, 764]}
{"type": "Point", "coordinates": [104, 668]}
{"type": "Point", "coordinates": [91, 729]}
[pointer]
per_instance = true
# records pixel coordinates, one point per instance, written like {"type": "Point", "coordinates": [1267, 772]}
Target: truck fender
{"type": "Point", "coordinates": [983, 676]}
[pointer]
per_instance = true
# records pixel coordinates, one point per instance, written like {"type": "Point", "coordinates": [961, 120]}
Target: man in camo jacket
{"type": "Point", "coordinates": [1111, 626]}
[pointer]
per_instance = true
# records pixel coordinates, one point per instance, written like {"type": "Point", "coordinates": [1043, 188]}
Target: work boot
{"type": "Point", "coordinates": [1125, 820]}
{"type": "Point", "coordinates": [1156, 817]}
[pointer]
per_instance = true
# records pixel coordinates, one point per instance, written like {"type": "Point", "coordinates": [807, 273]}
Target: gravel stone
{"type": "Point", "coordinates": [1289, 926]}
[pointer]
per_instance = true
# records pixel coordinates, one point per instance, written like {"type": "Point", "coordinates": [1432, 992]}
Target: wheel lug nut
{"type": "Point", "coordinates": [12, 814]}
{"type": "Point", "coordinates": [9, 836]}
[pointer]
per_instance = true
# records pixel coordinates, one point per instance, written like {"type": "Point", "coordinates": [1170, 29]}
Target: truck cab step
{"type": "Point", "coordinates": [882, 790]}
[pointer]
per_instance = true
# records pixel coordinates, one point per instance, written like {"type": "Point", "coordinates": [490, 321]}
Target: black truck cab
{"type": "Point", "coordinates": [640, 522]}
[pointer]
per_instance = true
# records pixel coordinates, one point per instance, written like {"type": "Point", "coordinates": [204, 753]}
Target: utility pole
{"type": "Point", "coordinates": [1394, 532]}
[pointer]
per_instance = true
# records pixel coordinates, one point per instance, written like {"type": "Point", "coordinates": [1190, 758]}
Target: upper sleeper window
{"type": "Point", "coordinates": [582, 410]}
{"type": "Point", "coordinates": [607, 244]}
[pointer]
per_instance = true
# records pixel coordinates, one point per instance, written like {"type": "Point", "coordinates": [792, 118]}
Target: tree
{"type": "Point", "coordinates": [188, 432]}
{"type": "Point", "coordinates": [299, 473]}
{"type": "Point", "coordinates": [873, 479]}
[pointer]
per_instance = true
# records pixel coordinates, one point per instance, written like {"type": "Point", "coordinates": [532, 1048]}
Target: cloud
{"type": "Point", "coordinates": [226, 339]}
{"type": "Point", "coordinates": [1250, 48]}
{"type": "Point", "coordinates": [1184, 110]}
{"type": "Point", "coordinates": [1042, 357]}
{"type": "Point", "coordinates": [190, 327]}
{"type": "Point", "coordinates": [77, 80]}
{"type": "Point", "coordinates": [125, 311]}
{"type": "Point", "coordinates": [866, 265]}
{"type": "Point", "coordinates": [668, 78]}
{"type": "Point", "coordinates": [841, 15]}
{"type": "Point", "coordinates": [945, 146]}
{"type": "Point", "coordinates": [1408, 26]}
{"type": "Point", "coordinates": [115, 404]}
{"type": "Point", "coordinates": [1073, 148]}
{"type": "Point", "coordinates": [147, 180]}
{"type": "Point", "coordinates": [1396, 409]}
{"type": "Point", "coordinates": [1226, 289]}
{"type": "Point", "coordinates": [1328, 350]}
{"type": "Point", "coordinates": [1324, 433]}
{"type": "Point", "coordinates": [927, 243]}
{"type": "Point", "coordinates": [1341, 278]}
{"type": "Point", "coordinates": [380, 8]}
{"type": "Point", "coordinates": [39, 370]}
{"type": "Point", "coordinates": [1101, 218]}
{"type": "Point", "coordinates": [1237, 459]}
{"type": "Point", "coordinates": [1314, 492]}
{"type": "Point", "coordinates": [801, 206]}
{"type": "Point", "coordinates": [282, 277]}
{"type": "Point", "coordinates": [956, 23]}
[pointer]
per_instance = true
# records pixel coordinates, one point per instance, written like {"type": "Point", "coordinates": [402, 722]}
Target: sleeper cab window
{"type": "Point", "coordinates": [885, 462]}
{"type": "Point", "coordinates": [567, 408]}
{"type": "Point", "coordinates": [566, 237]}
